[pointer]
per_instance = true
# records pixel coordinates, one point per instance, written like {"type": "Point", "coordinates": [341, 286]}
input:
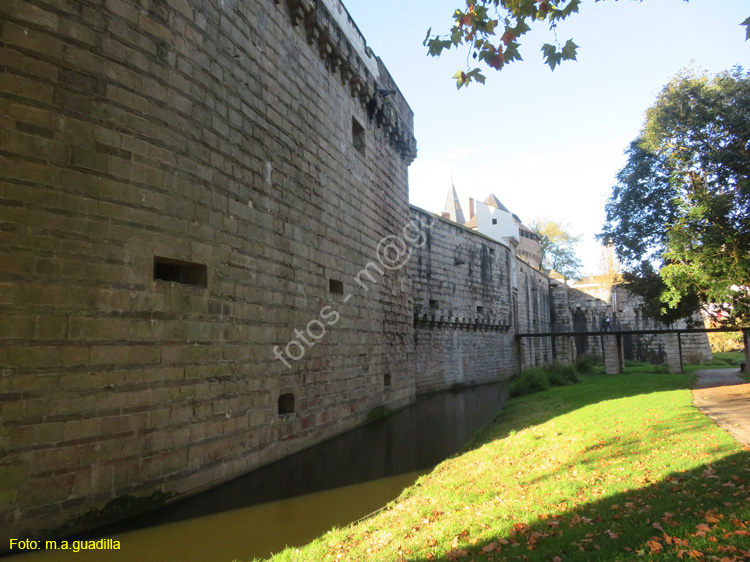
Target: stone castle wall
{"type": "Point", "coordinates": [471, 296]}
{"type": "Point", "coordinates": [200, 207]}
{"type": "Point", "coordinates": [178, 188]}
{"type": "Point", "coordinates": [591, 304]}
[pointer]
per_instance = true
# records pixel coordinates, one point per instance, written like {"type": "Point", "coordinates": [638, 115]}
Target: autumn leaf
{"type": "Point", "coordinates": [456, 554]}
{"type": "Point", "coordinates": [490, 547]}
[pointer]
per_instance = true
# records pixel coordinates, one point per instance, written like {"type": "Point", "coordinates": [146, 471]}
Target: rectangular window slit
{"type": "Point", "coordinates": [358, 135]}
{"type": "Point", "coordinates": [336, 287]}
{"type": "Point", "coordinates": [434, 304]}
{"type": "Point", "coordinates": [184, 272]}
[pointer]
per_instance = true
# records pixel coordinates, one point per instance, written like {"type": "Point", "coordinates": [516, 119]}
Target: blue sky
{"type": "Point", "coordinates": [548, 144]}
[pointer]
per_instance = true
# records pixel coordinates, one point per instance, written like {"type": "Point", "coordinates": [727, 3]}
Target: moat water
{"type": "Point", "coordinates": [299, 498]}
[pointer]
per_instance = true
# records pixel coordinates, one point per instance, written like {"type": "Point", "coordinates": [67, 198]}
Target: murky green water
{"type": "Point", "coordinates": [299, 498]}
{"type": "Point", "coordinates": [244, 533]}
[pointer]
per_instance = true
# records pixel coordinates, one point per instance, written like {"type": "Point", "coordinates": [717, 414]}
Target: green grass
{"type": "Point", "coordinates": [731, 357]}
{"type": "Point", "coordinates": [723, 360]}
{"type": "Point", "coordinates": [614, 468]}
{"type": "Point", "coordinates": [638, 368]}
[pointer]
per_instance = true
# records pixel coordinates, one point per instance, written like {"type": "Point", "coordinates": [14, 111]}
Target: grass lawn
{"type": "Point", "coordinates": [614, 468]}
{"type": "Point", "coordinates": [725, 360]}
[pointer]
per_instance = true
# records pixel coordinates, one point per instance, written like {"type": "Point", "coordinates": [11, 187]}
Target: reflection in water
{"type": "Point", "coordinates": [243, 533]}
{"type": "Point", "coordinates": [297, 499]}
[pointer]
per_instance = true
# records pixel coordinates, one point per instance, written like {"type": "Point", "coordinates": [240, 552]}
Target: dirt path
{"type": "Point", "coordinates": [724, 397]}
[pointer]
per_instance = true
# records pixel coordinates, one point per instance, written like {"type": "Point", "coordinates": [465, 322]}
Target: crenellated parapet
{"type": "Point", "coordinates": [341, 46]}
{"type": "Point", "coordinates": [462, 320]}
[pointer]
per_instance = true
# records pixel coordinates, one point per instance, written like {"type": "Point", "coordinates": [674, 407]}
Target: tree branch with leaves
{"type": "Point", "coordinates": [491, 30]}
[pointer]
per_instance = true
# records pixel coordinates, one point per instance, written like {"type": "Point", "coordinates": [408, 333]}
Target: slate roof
{"type": "Point", "coordinates": [453, 206]}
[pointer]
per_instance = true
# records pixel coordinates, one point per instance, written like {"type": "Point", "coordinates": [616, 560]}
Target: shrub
{"type": "Point", "coordinates": [537, 379]}
{"type": "Point", "coordinates": [531, 381]}
{"type": "Point", "coordinates": [588, 364]}
{"type": "Point", "coordinates": [560, 375]}
{"type": "Point", "coordinates": [570, 373]}
{"type": "Point", "coordinates": [693, 357]}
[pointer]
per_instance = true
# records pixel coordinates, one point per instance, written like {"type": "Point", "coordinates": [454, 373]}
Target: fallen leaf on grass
{"type": "Point", "coordinates": [654, 545]}
{"type": "Point", "coordinates": [611, 535]}
{"type": "Point", "coordinates": [490, 547]}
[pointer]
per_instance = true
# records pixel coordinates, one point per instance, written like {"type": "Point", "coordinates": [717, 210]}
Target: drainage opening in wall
{"type": "Point", "coordinates": [185, 272]}
{"type": "Point", "coordinates": [286, 404]}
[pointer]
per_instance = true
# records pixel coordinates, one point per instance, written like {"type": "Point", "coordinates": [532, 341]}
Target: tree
{"type": "Point", "coordinates": [609, 266]}
{"type": "Point", "coordinates": [558, 247]}
{"type": "Point", "coordinates": [479, 28]}
{"type": "Point", "coordinates": [681, 206]}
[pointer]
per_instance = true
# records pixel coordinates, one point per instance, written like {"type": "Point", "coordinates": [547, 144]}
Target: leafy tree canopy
{"type": "Point", "coordinates": [491, 30]}
{"type": "Point", "coordinates": [681, 205]}
{"type": "Point", "coordinates": [558, 247]}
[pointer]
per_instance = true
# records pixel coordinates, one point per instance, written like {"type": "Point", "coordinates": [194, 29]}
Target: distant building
{"type": "Point", "coordinates": [493, 219]}
{"type": "Point", "coordinates": [453, 209]}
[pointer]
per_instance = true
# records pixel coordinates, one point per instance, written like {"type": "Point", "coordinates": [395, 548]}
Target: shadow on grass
{"type": "Point", "coordinates": [608, 453]}
{"type": "Point", "coordinates": [688, 515]}
{"type": "Point", "coordinates": [694, 514]}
